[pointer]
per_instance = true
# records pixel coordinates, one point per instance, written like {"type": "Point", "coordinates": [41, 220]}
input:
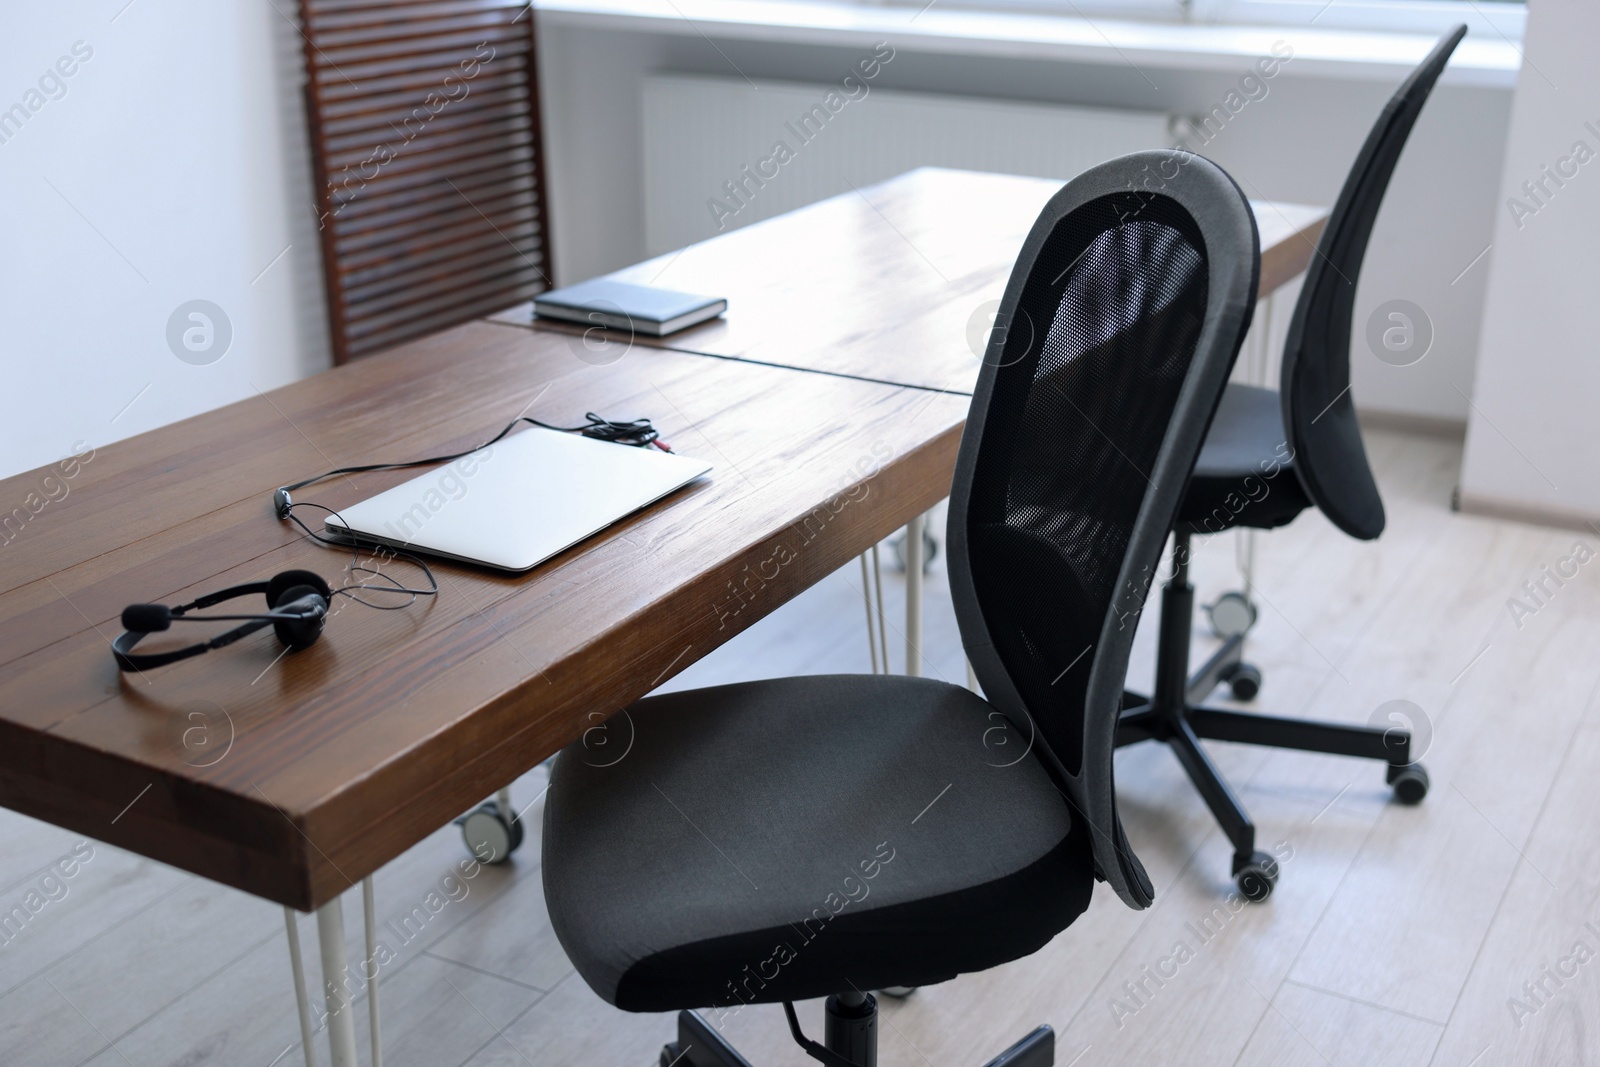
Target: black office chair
{"type": "Point", "coordinates": [1268, 457]}
{"type": "Point", "coordinates": [779, 840]}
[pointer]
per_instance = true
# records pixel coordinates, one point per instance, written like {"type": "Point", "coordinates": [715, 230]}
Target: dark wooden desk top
{"type": "Point", "coordinates": [896, 283]}
{"type": "Point", "coordinates": [312, 771]}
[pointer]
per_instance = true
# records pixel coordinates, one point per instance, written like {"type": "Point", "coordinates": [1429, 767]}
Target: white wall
{"type": "Point", "coordinates": [700, 131]}
{"type": "Point", "coordinates": [1295, 144]}
{"type": "Point", "coordinates": [1531, 442]}
{"type": "Point", "coordinates": [173, 168]}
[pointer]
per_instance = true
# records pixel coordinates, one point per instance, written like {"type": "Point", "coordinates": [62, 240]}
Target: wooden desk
{"type": "Point", "coordinates": [340, 757]}
{"type": "Point", "coordinates": [896, 283]}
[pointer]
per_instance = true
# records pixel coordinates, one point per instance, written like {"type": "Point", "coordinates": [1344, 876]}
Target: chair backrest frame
{"type": "Point", "coordinates": [1142, 186]}
{"type": "Point", "coordinates": [1319, 414]}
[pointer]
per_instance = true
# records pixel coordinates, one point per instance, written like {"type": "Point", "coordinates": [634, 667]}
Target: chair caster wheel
{"type": "Point", "coordinates": [1410, 783]}
{"type": "Point", "coordinates": [489, 835]}
{"type": "Point", "coordinates": [899, 992]}
{"type": "Point", "coordinates": [1244, 681]}
{"type": "Point", "coordinates": [930, 549]}
{"type": "Point", "coordinates": [1256, 877]}
{"type": "Point", "coordinates": [1231, 614]}
{"type": "Point", "coordinates": [670, 1054]}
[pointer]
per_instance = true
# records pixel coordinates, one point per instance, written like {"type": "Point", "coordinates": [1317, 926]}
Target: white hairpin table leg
{"type": "Point", "coordinates": [914, 596]}
{"type": "Point", "coordinates": [297, 966]}
{"type": "Point", "coordinates": [883, 621]}
{"type": "Point", "coordinates": [335, 985]}
{"type": "Point", "coordinates": [369, 914]}
{"type": "Point", "coordinates": [866, 596]}
{"type": "Point", "coordinates": [1245, 555]}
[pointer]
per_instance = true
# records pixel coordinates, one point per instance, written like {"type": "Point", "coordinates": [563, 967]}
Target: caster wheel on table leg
{"type": "Point", "coordinates": [1244, 681]}
{"type": "Point", "coordinates": [1256, 877]}
{"type": "Point", "coordinates": [1230, 614]}
{"type": "Point", "coordinates": [491, 836]}
{"type": "Point", "coordinates": [1410, 783]}
{"type": "Point", "coordinates": [930, 549]}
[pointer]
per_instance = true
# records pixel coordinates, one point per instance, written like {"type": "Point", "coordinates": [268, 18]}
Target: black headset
{"type": "Point", "coordinates": [297, 603]}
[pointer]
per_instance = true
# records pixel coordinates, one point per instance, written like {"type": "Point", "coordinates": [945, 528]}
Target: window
{"type": "Point", "coordinates": [1496, 19]}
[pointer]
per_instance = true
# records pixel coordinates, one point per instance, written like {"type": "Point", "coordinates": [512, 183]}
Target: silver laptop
{"type": "Point", "coordinates": [516, 503]}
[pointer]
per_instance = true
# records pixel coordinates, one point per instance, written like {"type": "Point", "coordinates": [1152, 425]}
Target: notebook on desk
{"type": "Point", "coordinates": [515, 504]}
{"type": "Point", "coordinates": [622, 306]}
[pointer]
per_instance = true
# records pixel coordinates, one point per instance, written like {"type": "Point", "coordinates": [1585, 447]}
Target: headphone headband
{"type": "Point", "coordinates": [297, 603]}
{"type": "Point", "coordinates": [229, 593]}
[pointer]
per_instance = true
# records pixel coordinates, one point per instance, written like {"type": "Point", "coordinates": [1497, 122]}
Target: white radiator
{"type": "Point", "coordinates": [712, 160]}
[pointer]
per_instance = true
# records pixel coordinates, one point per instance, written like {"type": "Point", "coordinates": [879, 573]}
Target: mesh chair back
{"type": "Point", "coordinates": [1114, 340]}
{"type": "Point", "coordinates": [1318, 413]}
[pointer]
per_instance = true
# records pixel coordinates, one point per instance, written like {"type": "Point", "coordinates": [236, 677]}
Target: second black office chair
{"type": "Point", "coordinates": [793, 838]}
{"type": "Point", "coordinates": [1268, 457]}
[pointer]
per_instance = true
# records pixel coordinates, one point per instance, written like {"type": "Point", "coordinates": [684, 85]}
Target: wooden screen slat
{"type": "Point", "coordinates": [367, 248]}
{"type": "Point", "coordinates": [421, 194]}
{"type": "Point", "coordinates": [473, 247]}
{"type": "Point", "coordinates": [351, 74]}
{"type": "Point", "coordinates": [350, 113]}
{"type": "Point", "coordinates": [338, 96]}
{"type": "Point", "coordinates": [425, 142]}
{"type": "Point", "coordinates": [426, 200]}
{"type": "Point", "coordinates": [421, 167]}
{"type": "Point", "coordinates": [416, 32]}
{"type": "Point", "coordinates": [467, 125]}
{"type": "Point", "coordinates": [454, 276]}
{"type": "Point", "coordinates": [346, 12]}
{"type": "Point", "coordinates": [394, 316]}
{"type": "Point", "coordinates": [494, 298]}
{"type": "Point", "coordinates": [436, 50]}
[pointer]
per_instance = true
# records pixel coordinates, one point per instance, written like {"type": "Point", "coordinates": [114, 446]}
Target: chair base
{"type": "Point", "coordinates": [851, 1040]}
{"type": "Point", "coordinates": [1176, 716]}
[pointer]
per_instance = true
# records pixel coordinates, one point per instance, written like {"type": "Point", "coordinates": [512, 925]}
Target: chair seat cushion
{"type": "Point", "coordinates": [1245, 474]}
{"type": "Point", "coordinates": [791, 838]}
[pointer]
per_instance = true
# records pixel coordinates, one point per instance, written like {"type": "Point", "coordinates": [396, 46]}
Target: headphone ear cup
{"type": "Point", "coordinates": [284, 581]}
{"type": "Point", "coordinates": [303, 632]}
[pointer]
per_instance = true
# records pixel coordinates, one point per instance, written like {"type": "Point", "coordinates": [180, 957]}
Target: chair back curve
{"type": "Point", "coordinates": [1114, 340]}
{"type": "Point", "coordinates": [1318, 412]}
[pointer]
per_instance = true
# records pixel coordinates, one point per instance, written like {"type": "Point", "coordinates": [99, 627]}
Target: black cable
{"type": "Point", "coordinates": [356, 543]}
{"type": "Point", "coordinates": [636, 432]}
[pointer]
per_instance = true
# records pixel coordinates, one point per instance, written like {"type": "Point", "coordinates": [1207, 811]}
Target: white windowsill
{"type": "Point", "coordinates": [1153, 45]}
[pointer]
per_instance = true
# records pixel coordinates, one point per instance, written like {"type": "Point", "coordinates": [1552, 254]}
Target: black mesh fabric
{"type": "Point", "coordinates": [1090, 374]}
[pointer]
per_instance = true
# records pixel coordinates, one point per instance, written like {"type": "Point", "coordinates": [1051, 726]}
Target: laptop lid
{"type": "Point", "coordinates": [515, 504]}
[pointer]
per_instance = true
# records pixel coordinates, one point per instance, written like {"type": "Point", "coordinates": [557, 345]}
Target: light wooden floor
{"type": "Point", "coordinates": [1396, 936]}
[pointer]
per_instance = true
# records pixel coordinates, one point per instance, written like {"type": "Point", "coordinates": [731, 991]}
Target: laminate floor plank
{"type": "Point", "coordinates": [109, 888]}
{"type": "Point", "coordinates": [141, 966]}
{"type": "Point", "coordinates": [1407, 921]}
{"type": "Point", "coordinates": [38, 1028]}
{"type": "Point", "coordinates": [1309, 1028]}
{"type": "Point", "coordinates": [1533, 996]}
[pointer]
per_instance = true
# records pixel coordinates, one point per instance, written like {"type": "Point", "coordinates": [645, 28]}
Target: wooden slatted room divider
{"type": "Point", "coordinates": [425, 144]}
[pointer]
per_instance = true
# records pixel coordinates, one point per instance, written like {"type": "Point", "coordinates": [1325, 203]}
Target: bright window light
{"type": "Point", "coordinates": [1496, 19]}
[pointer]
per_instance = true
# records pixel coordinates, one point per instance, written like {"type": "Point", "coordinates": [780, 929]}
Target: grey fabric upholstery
{"type": "Point", "coordinates": [786, 839]}
{"type": "Point", "coordinates": [1246, 473]}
